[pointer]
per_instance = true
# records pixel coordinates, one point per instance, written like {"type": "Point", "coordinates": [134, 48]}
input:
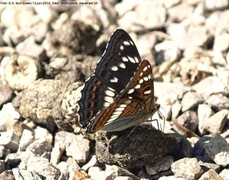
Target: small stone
{"type": "Point", "coordinates": [9, 120]}
{"type": "Point", "coordinates": [189, 120]}
{"type": "Point", "coordinates": [13, 159]}
{"type": "Point", "coordinates": [191, 100]}
{"type": "Point", "coordinates": [42, 133]}
{"type": "Point", "coordinates": [204, 112]}
{"type": "Point", "coordinates": [25, 174]}
{"type": "Point", "coordinates": [211, 174]}
{"type": "Point", "coordinates": [91, 163]}
{"type": "Point", "coordinates": [184, 12]}
{"type": "Point", "coordinates": [5, 94]}
{"type": "Point", "coordinates": [218, 150]}
{"type": "Point", "coordinates": [96, 172]}
{"type": "Point", "coordinates": [42, 167]}
{"type": "Point", "coordinates": [7, 175]}
{"type": "Point", "coordinates": [163, 164]}
{"type": "Point", "coordinates": [39, 148]}
{"type": "Point", "coordinates": [168, 93]}
{"type": "Point", "coordinates": [224, 173]}
{"type": "Point", "coordinates": [123, 178]}
{"type": "Point", "coordinates": [30, 48]}
{"type": "Point", "coordinates": [2, 166]}
{"type": "Point", "coordinates": [9, 140]}
{"type": "Point", "coordinates": [73, 166]}
{"type": "Point", "coordinates": [210, 85]}
{"type": "Point", "coordinates": [221, 42]}
{"type": "Point", "coordinates": [209, 166]}
{"type": "Point", "coordinates": [57, 152]}
{"type": "Point", "coordinates": [187, 168]}
{"type": "Point", "coordinates": [217, 122]}
{"type": "Point", "coordinates": [215, 5]}
{"type": "Point", "coordinates": [166, 51]}
{"type": "Point", "coordinates": [199, 149]}
{"type": "Point", "coordinates": [78, 148]}
{"type": "Point", "coordinates": [21, 71]}
{"type": "Point", "coordinates": [177, 32]}
{"type": "Point", "coordinates": [197, 35]}
{"type": "Point", "coordinates": [46, 13]}
{"type": "Point", "coordinates": [2, 151]}
{"type": "Point", "coordinates": [218, 102]}
{"type": "Point", "coordinates": [26, 139]}
{"type": "Point", "coordinates": [63, 167]}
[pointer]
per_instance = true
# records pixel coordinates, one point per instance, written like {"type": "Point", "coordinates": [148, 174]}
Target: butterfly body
{"type": "Point", "coordinates": [120, 93]}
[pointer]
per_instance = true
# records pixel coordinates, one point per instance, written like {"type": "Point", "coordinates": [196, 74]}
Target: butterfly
{"type": "Point", "coordinates": [120, 93]}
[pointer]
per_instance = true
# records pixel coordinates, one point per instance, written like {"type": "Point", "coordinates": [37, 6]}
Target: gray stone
{"type": "Point", "coordinates": [78, 147]}
{"type": "Point", "coordinates": [9, 140]}
{"type": "Point", "coordinates": [191, 100]}
{"type": "Point", "coordinates": [216, 5]}
{"type": "Point", "coordinates": [30, 48]}
{"type": "Point", "coordinates": [177, 32]}
{"type": "Point", "coordinates": [7, 175]}
{"type": "Point", "coordinates": [42, 167]}
{"type": "Point", "coordinates": [217, 122]}
{"type": "Point", "coordinates": [13, 159]}
{"type": "Point", "coordinates": [163, 164]}
{"type": "Point", "coordinates": [197, 35]}
{"type": "Point", "coordinates": [2, 151]}
{"type": "Point", "coordinates": [204, 112]}
{"type": "Point", "coordinates": [210, 174]}
{"type": "Point", "coordinates": [187, 168]}
{"type": "Point", "coordinates": [143, 17]}
{"type": "Point", "coordinates": [218, 150]}
{"type": "Point", "coordinates": [224, 173]}
{"type": "Point", "coordinates": [211, 85]}
{"type": "Point", "coordinates": [25, 174]}
{"type": "Point", "coordinates": [218, 102]}
{"type": "Point", "coordinates": [26, 139]}
{"type": "Point", "coordinates": [168, 93]}
{"type": "Point", "coordinates": [189, 120]}
{"type": "Point", "coordinates": [166, 51]}
{"type": "Point", "coordinates": [18, 75]}
{"type": "Point", "coordinates": [2, 166]}
{"type": "Point", "coordinates": [5, 93]}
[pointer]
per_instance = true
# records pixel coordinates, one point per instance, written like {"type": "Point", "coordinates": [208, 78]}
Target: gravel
{"type": "Point", "coordinates": [47, 52]}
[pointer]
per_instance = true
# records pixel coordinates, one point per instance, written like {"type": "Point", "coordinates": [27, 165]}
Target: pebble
{"type": "Point", "coordinates": [187, 168]}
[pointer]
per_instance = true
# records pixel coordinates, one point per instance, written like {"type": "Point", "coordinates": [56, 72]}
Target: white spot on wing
{"type": "Point", "coordinates": [130, 91]}
{"type": "Point", "coordinates": [106, 104]}
{"type": "Point", "coordinates": [146, 78]}
{"type": "Point", "coordinates": [109, 93]}
{"type": "Point", "coordinates": [114, 80]}
{"type": "Point", "coordinates": [147, 92]}
{"type": "Point", "coordinates": [122, 65]}
{"type": "Point", "coordinates": [138, 86]}
{"type": "Point", "coordinates": [108, 99]}
{"type": "Point", "coordinates": [125, 59]}
{"type": "Point", "coordinates": [127, 43]}
{"type": "Point", "coordinates": [114, 68]}
{"type": "Point", "coordinates": [121, 47]}
{"type": "Point", "coordinates": [131, 59]}
{"type": "Point", "coordinates": [145, 68]}
{"type": "Point", "coordinates": [141, 81]}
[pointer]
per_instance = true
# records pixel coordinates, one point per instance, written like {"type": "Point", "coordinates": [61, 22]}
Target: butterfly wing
{"type": "Point", "coordinates": [134, 106]}
{"type": "Point", "coordinates": [113, 72]}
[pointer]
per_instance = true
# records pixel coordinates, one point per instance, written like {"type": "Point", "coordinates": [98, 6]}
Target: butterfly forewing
{"type": "Point", "coordinates": [112, 74]}
{"type": "Point", "coordinates": [119, 61]}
